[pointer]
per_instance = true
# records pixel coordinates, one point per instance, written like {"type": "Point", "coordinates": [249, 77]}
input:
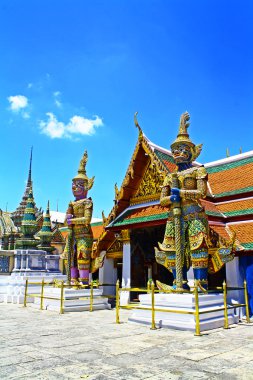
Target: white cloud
{"type": "Point", "coordinates": [52, 127]}
{"type": "Point", "coordinates": [57, 101]}
{"type": "Point", "coordinates": [18, 102]}
{"type": "Point", "coordinates": [77, 125]}
{"type": "Point", "coordinates": [30, 85]}
{"type": "Point", "coordinates": [25, 115]}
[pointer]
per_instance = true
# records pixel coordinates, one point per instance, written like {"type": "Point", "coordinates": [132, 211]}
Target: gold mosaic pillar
{"type": "Point", "coordinates": [126, 269]}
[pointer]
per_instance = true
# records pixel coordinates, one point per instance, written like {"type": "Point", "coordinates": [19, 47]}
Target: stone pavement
{"type": "Point", "coordinates": [38, 345]}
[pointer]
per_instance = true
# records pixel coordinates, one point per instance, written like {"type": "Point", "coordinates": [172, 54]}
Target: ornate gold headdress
{"type": "Point", "coordinates": [82, 171]}
{"type": "Point", "coordinates": [183, 136]}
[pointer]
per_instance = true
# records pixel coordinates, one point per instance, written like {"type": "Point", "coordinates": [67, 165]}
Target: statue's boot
{"type": "Point", "coordinates": [84, 276]}
{"type": "Point", "coordinates": [165, 288]}
{"type": "Point", "coordinates": [200, 274]}
{"type": "Point", "coordinates": [173, 288]}
{"type": "Point", "coordinates": [185, 281]}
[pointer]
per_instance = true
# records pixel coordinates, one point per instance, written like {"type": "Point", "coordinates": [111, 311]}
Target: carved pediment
{"type": "Point", "coordinates": [115, 251]}
{"type": "Point", "coordinates": [117, 246]}
{"type": "Point", "coordinates": [150, 186]}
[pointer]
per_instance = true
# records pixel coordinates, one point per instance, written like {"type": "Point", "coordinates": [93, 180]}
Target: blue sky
{"type": "Point", "coordinates": [73, 73]}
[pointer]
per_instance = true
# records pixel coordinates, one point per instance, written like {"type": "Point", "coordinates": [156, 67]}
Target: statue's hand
{"type": "Point", "coordinates": [69, 219]}
{"type": "Point", "coordinates": [175, 195]}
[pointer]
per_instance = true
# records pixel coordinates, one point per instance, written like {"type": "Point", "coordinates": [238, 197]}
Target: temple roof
{"type": "Point", "coordinates": [211, 209]}
{"type": "Point", "coordinates": [244, 233]}
{"type": "Point", "coordinates": [143, 214]}
{"type": "Point", "coordinates": [97, 229]}
{"type": "Point", "coordinates": [6, 224]}
{"type": "Point", "coordinates": [231, 176]}
{"type": "Point", "coordinates": [241, 207]}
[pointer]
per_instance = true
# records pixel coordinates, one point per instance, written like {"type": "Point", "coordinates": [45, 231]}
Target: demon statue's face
{"type": "Point", "coordinates": [181, 153]}
{"type": "Point", "coordinates": [79, 188]}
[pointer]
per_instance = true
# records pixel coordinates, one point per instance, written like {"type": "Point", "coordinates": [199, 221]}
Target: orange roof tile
{"type": "Point", "coordinates": [231, 180]}
{"type": "Point", "coordinates": [210, 208]}
{"type": "Point", "coordinates": [239, 205]}
{"type": "Point", "coordinates": [97, 230]}
{"type": "Point", "coordinates": [221, 230]}
{"type": "Point", "coordinates": [244, 232]}
{"type": "Point", "coordinates": [143, 212]}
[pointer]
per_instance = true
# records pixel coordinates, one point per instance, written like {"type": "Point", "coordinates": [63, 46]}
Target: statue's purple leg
{"type": "Point", "coordinates": [84, 276]}
{"type": "Point", "coordinates": [74, 273]}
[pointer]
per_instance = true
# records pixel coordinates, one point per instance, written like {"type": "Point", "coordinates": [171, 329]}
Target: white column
{"type": "Point", "coordinates": [15, 262]}
{"type": "Point", "coordinates": [107, 275]}
{"type": "Point", "coordinates": [235, 279]}
{"type": "Point", "coordinates": [22, 259]}
{"type": "Point", "coordinates": [27, 263]}
{"type": "Point", "coordinates": [126, 269]}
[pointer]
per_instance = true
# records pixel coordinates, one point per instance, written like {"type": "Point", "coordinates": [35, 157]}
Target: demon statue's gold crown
{"type": "Point", "coordinates": [81, 175]}
{"type": "Point", "coordinates": [183, 137]}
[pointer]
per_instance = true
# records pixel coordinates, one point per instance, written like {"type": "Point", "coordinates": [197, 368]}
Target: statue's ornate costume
{"type": "Point", "coordinates": [186, 241]}
{"type": "Point", "coordinates": [79, 241]}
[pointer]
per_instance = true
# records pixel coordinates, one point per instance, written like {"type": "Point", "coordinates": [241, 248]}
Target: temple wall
{"type": "Point", "coordinates": [6, 262]}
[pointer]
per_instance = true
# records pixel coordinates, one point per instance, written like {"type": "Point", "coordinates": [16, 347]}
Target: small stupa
{"type": "Point", "coordinates": [29, 226]}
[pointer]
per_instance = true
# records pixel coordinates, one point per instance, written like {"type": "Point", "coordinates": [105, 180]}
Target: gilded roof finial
{"type": "Point", "coordinates": [137, 124]}
{"type": "Point", "coordinates": [104, 218]}
{"type": "Point", "coordinates": [116, 191]}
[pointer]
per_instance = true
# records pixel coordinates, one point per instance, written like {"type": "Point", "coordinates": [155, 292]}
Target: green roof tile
{"type": "Point", "coordinates": [149, 218]}
{"type": "Point", "coordinates": [237, 191]}
{"type": "Point", "coordinates": [248, 246]}
{"type": "Point", "coordinates": [239, 212]}
{"type": "Point", "coordinates": [230, 165]}
{"type": "Point", "coordinates": [96, 224]}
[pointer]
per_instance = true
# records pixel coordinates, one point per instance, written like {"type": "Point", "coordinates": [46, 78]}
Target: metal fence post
{"type": "Point", "coordinates": [153, 326]}
{"type": "Point", "coordinates": [42, 295]}
{"type": "Point", "coordinates": [246, 301]}
{"type": "Point", "coordinates": [224, 285]}
{"type": "Point", "coordinates": [117, 302]}
{"type": "Point", "coordinates": [196, 295]}
{"type": "Point", "coordinates": [91, 296]}
{"type": "Point", "coordinates": [26, 288]}
{"type": "Point", "coordinates": [62, 295]}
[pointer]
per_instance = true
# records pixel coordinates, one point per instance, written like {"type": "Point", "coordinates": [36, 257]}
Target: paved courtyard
{"type": "Point", "coordinates": [45, 345]}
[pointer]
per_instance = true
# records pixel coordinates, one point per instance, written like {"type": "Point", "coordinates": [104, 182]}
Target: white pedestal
{"type": "Point", "coordinates": [184, 302]}
{"type": "Point", "coordinates": [12, 288]}
{"type": "Point", "coordinates": [74, 300]}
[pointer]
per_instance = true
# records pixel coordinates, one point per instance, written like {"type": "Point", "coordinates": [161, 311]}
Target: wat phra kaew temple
{"type": "Point", "coordinates": [137, 221]}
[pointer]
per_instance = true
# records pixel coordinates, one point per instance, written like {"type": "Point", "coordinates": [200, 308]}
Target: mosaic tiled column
{"type": "Point", "coordinates": [126, 269]}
